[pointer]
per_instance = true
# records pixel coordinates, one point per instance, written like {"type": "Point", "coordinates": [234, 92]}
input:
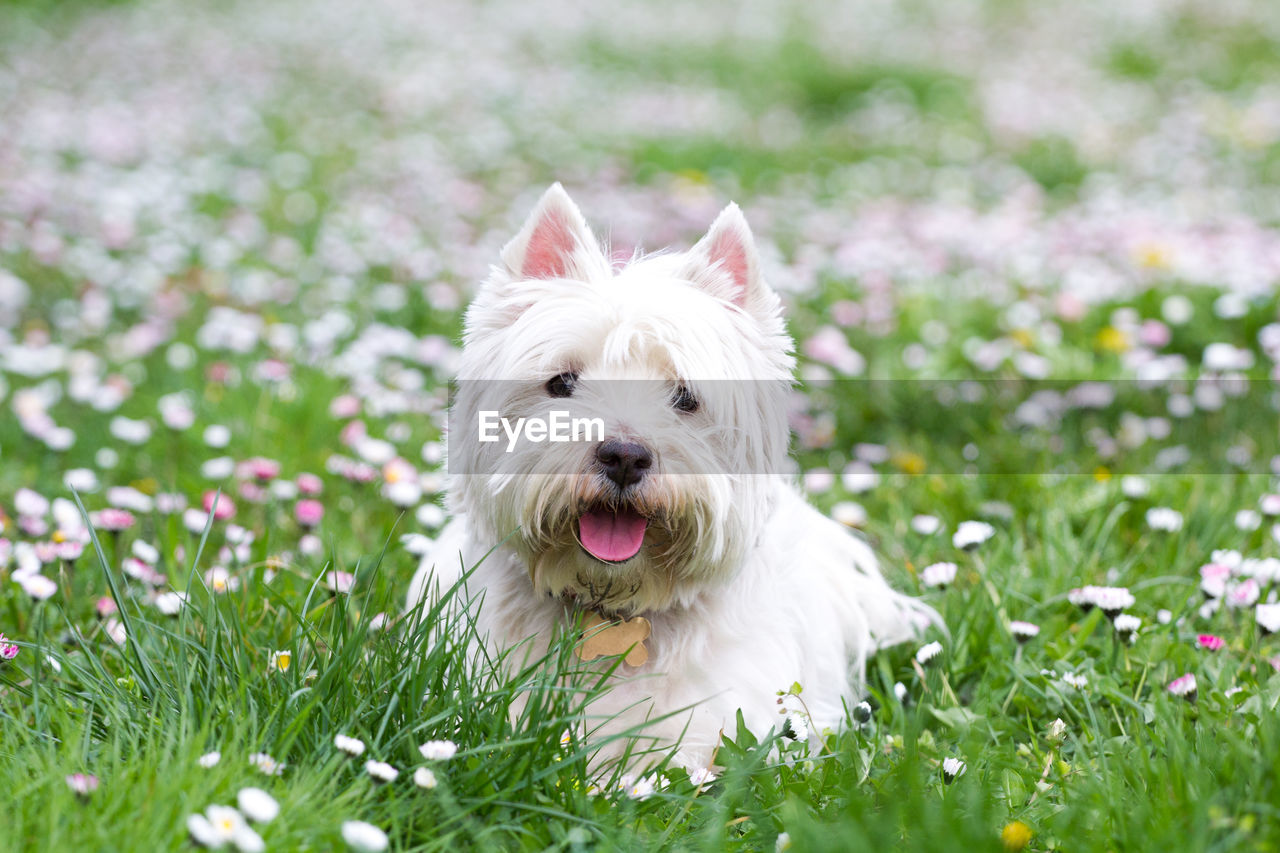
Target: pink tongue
{"type": "Point", "coordinates": [612, 536]}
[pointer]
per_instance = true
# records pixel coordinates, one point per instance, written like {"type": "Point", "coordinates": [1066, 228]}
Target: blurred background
{"type": "Point", "coordinates": [940, 189]}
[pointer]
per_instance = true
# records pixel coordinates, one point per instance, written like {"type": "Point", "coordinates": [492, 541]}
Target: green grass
{"type": "Point", "coordinates": [1137, 766]}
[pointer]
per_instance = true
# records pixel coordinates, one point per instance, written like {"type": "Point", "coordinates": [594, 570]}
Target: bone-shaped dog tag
{"type": "Point", "coordinates": [614, 638]}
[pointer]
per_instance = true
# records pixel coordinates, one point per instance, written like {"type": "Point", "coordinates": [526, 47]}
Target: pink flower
{"type": "Point", "coordinates": [829, 346]}
{"type": "Point", "coordinates": [105, 606]}
{"type": "Point", "coordinates": [8, 651]}
{"type": "Point", "coordinates": [259, 468]}
{"type": "Point", "coordinates": [308, 512]}
{"type": "Point", "coordinates": [69, 550]}
{"type": "Point", "coordinates": [1213, 579]}
{"type": "Point", "coordinates": [37, 586]}
{"type": "Point", "coordinates": [1154, 334]}
{"type": "Point", "coordinates": [135, 568]}
{"type": "Point", "coordinates": [346, 406]}
{"type": "Point", "coordinates": [32, 525]}
{"type": "Point", "coordinates": [1243, 594]}
{"type": "Point", "coordinates": [1070, 307]}
{"type": "Point", "coordinates": [1184, 685]}
{"type": "Point", "coordinates": [115, 520]}
{"type": "Point", "coordinates": [353, 432]}
{"type": "Point", "coordinates": [1211, 642]}
{"type": "Point", "coordinates": [272, 370]}
{"type": "Point", "coordinates": [252, 492]}
{"type": "Point", "coordinates": [225, 509]}
{"type": "Point", "coordinates": [219, 372]}
{"type": "Point", "coordinates": [310, 484]}
{"type": "Point", "coordinates": [340, 582]}
{"type": "Point", "coordinates": [83, 784]}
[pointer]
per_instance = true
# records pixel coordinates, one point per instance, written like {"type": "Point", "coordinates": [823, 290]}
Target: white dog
{"type": "Point", "coordinates": [676, 511]}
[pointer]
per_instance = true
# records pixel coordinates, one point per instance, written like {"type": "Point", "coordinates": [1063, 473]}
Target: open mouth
{"type": "Point", "coordinates": [612, 535]}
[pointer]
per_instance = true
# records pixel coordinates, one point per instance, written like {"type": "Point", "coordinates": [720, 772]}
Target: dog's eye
{"type": "Point", "coordinates": [562, 384]}
{"type": "Point", "coordinates": [684, 400]}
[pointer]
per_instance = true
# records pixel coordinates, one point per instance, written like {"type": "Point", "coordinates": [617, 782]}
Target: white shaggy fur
{"type": "Point", "coordinates": [748, 588]}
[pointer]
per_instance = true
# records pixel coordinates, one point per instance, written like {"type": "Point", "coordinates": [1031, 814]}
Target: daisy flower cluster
{"type": "Point", "coordinates": [218, 826]}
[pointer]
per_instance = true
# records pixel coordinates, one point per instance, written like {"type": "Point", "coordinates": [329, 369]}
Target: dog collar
{"type": "Point", "coordinates": [604, 636]}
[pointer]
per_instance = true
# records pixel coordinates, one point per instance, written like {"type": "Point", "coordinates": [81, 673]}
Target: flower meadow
{"type": "Point", "coordinates": [1030, 258]}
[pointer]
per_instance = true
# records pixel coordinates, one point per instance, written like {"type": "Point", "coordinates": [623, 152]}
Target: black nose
{"type": "Point", "coordinates": [624, 462]}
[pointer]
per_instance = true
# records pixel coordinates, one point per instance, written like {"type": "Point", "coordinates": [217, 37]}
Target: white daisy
{"type": "Point", "coordinates": [1076, 680]}
{"type": "Point", "coordinates": [849, 514]}
{"type": "Point", "coordinates": [364, 837]}
{"type": "Point", "coordinates": [170, 603]}
{"type": "Point", "coordinates": [438, 750]}
{"type": "Point", "coordinates": [926, 525]}
{"type": "Point", "coordinates": [266, 764]}
{"type": "Point", "coordinates": [971, 534]}
{"type": "Point", "coordinates": [928, 652]}
{"type": "Point", "coordinates": [257, 805]}
{"type": "Point", "coordinates": [1164, 519]}
{"type": "Point", "coordinates": [217, 826]}
{"type": "Point", "coordinates": [1112, 599]}
{"type": "Point", "coordinates": [938, 574]}
{"type": "Point", "coordinates": [1268, 618]}
{"type": "Point", "coordinates": [1184, 685]}
{"type": "Point", "coordinates": [639, 789]}
{"type": "Point", "coordinates": [951, 768]}
{"type": "Point", "coordinates": [702, 776]}
{"type": "Point", "coordinates": [1127, 625]}
{"type": "Point", "coordinates": [1248, 520]}
{"type": "Point", "coordinates": [349, 745]}
{"type": "Point", "coordinates": [381, 771]}
{"type": "Point", "coordinates": [1023, 631]}
{"type": "Point", "coordinates": [424, 778]}
{"type": "Point", "coordinates": [1134, 487]}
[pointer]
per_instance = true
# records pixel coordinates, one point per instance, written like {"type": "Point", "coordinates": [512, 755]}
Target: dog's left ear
{"type": "Point", "coordinates": [725, 264]}
{"type": "Point", "coordinates": [554, 241]}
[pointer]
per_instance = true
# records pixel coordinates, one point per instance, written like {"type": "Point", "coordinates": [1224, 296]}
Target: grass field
{"type": "Point", "coordinates": [235, 245]}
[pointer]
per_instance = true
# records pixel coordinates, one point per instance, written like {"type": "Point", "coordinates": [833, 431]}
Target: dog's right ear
{"type": "Point", "coordinates": [554, 241]}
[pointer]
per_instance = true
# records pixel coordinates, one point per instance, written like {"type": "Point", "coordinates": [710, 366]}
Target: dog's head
{"type": "Point", "coordinates": [669, 378]}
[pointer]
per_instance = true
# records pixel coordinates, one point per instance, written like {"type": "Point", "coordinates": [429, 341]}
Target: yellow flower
{"type": "Point", "coordinates": [280, 660]}
{"type": "Point", "coordinates": [1015, 836]}
{"type": "Point", "coordinates": [1112, 339]}
{"type": "Point", "coordinates": [147, 485]}
{"type": "Point", "coordinates": [908, 462]}
{"type": "Point", "coordinates": [1102, 473]}
{"type": "Point", "coordinates": [1153, 256]}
